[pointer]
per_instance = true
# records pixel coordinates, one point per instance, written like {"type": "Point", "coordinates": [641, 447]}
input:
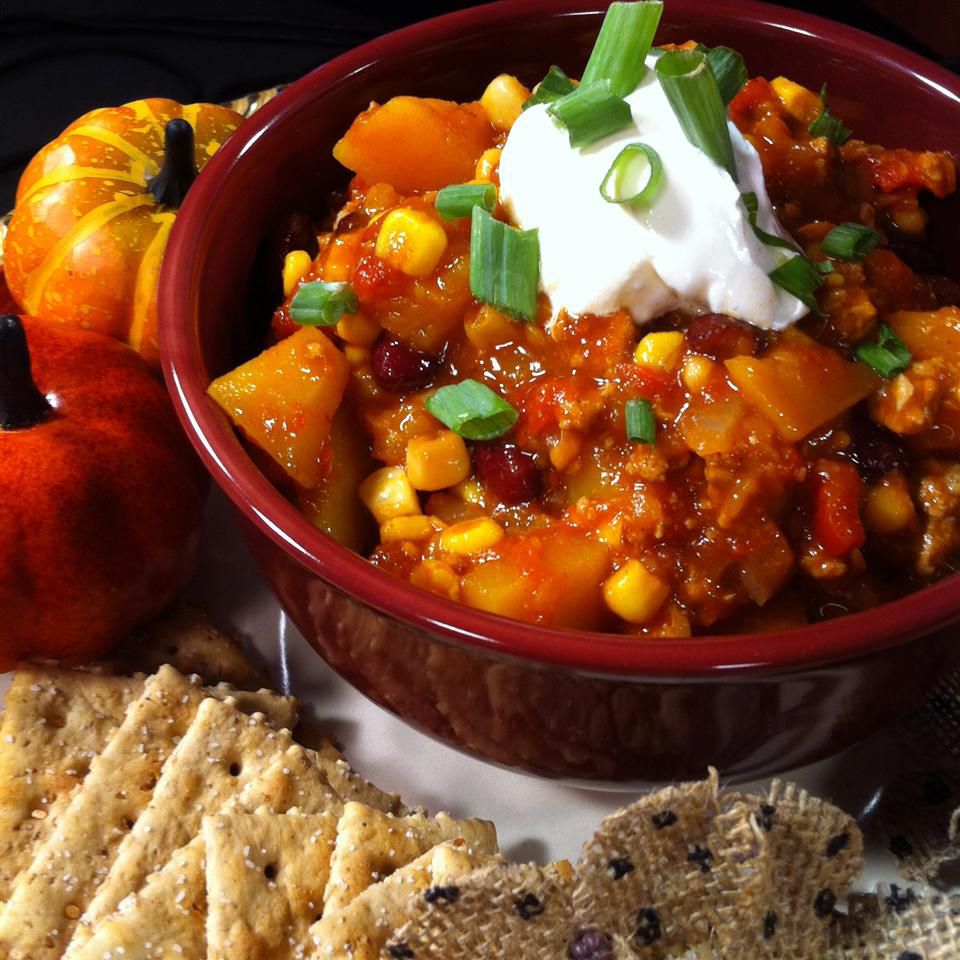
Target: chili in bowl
{"type": "Point", "coordinates": [563, 523]}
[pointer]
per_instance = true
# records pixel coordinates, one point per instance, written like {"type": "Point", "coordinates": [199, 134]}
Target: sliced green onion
{"type": "Point", "coordinates": [824, 266]}
{"type": "Point", "coordinates": [641, 426]}
{"type": "Point", "coordinates": [472, 410]}
{"type": "Point", "coordinates": [850, 241]}
{"type": "Point", "coordinates": [799, 277]}
{"type": "Point", "coordinates": [553, 86]}
{"type": "Point", "coordinates": [730, 69]}
{"type": "Point", "coordinates": [623, 44]}
{"type": "Point", "coordinates": [752, 205]}
{"type": "Point", "coordinates": [504, 266]}
{"type": "Point", "coordinates": [887, 355]}
{"type": "Point", "coordinates": [319, 304]}
{"type": "Point", "coordinates": [459, 200]}
{"type": "Point", "coordinates": [634, 176]}
{"type": "Point", "coordinates": [827, 125]}
{"type": "Point", "coordinates": [593, 111]}
{"type": "Point", "coordinates": [691, 88]}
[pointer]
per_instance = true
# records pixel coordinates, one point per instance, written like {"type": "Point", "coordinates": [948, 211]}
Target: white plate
{"type": "Point", "coordinates": [536, 819]}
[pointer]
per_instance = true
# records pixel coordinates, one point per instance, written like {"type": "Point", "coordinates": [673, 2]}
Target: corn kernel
{"type": "Point", "coordinates": [696, 373]}
{"type": "Point", "coordinates": [487, 328]}
{"type": "Point", "coordinates": [660, 350]}
{"type": "Point", "coordinates": [633, 593]}
{"type": "Point", "coordinates": [356, 356]}
{"type": "Point", "coordinates": [411, 241]}
{"type": "Point", "coordinates": [567, 448]}
{"type": "Point", "coordinates": [799, 102]}
{"type": "Point", "coordinates": [416, 528]}
{"type": "Point", "coordinates": [437, 577]}
{"type": "Point", "coordinates": [437, 462]}
{"type": "Point", "coordinates": [388, 493]}
{"type": "Point", "coordinates": [358, 329]}
{"type": "Point", "coordinates": [503, 100]}
{"type": "Point", "coordinates": [487, 164]}
{"type": "Point", "coordinates": [470, 491]}
{"type": "Point", "coordinates": [471, 536]}
{"type": "Point", "coordinates": [888, 507]}
{"type": "Point", "coordinates": [295, 265]}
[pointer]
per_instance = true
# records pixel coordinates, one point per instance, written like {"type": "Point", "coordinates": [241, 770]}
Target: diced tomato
{"type": "Point", "coordinates": [374, 280]}
{"type": "Point", "coordinates": [837, 493]}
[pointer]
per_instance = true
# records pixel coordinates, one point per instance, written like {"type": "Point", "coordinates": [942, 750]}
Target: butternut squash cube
{"type": "Point", "coordinates": [800, 384]}
{"type": "Point", "coordinates": [415, 143]}
{"type": "Point", "coordinates": [284, 400]}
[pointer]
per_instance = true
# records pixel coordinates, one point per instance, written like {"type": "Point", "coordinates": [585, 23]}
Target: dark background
{"type": "Point", "coordinates": [58, 60]}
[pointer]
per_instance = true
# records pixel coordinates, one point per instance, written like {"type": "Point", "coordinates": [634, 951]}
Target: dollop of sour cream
{"type": "Point", "coordinates": [691, 248]}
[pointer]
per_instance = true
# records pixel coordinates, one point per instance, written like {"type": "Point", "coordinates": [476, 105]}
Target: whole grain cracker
{"type": "Point", "coordinates": [221, 752]}
{"type": "Point", "coordinates": [350, 785]}
{"type": "Point", "coordinates": [265, 880]}
{"type": "Point", "coordinates": [167, 916]}
{"type": "Point", "coordinates": [185, 638]}
{"type": "Point", "coordinates": [359, 930]}
{"type": "Point", "coordinates": [55, 723]}
{"type": "Point", "coordinates": [372, 844]}
{"type": "Point", "coordinates": [48, 897]}
{"type": "Point", "coordinates": [512, 911]}
{"type": "Point", "coordinates": [895, 923]}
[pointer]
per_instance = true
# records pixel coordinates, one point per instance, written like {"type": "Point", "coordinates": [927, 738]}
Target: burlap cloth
{"type": "Point", "coordinates": [692, 872]}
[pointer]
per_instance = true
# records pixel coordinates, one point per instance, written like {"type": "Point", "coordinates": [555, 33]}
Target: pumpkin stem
{"type": "Point", "coordinates": [21, 403]}
{"type": "Point", "coordinates": [179, 169]}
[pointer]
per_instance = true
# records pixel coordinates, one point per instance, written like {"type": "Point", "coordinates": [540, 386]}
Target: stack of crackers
{"type": "Point", "coordinates": [168, 813]}
{"type": "Point", "coordinates": [155, 806]}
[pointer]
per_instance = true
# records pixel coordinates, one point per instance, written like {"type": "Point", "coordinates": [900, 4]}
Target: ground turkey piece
{"type": "Point", "coordinates": [939, 496]}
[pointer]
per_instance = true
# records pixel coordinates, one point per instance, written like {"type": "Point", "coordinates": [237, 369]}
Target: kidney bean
{"type": "Point", "coordinates": [508, 472]}
{"type": "Point", "coordinates": [399, 367]}
{"type": "Point", "coordinates": [873, 449]}
{"type": "Point", "coordinates": [721, 337]}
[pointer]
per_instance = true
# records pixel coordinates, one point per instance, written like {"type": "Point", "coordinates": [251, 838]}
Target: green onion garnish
{"type": "Point", "coordinates": [691, 88]}
{"type": "Point", "coordinates": [622, 45]}
{"type": "Point", "coordinates": [827, 125]}
{"type": "Point", "coordinates": [504, 266]}
{"type": "Point", "coordinates": [319, 304]}
{"type": "Point", "coordinates": [887, 355]}
{"type": "Point", "coordinates": [553, 86]}
{"type": "Point", "coordinates": [799, 277]}
{"type": "Point", "coordinates": [472, 410]}
{"type": "Point", "coordinates": [459, 200]}
{"type": "Point", "coordinates": [641, 426]}
{"type": "Point", "coordinates": [730, 70]}
{"type": "Point", "coordinates": [850, 241]}
{"type": "Point", "coordinates": [752, 205]}
{"type": "Point", "coordinates": [592, 112]}
{"type": "Point", "coordinates": [634, 176]}
{"type": "Point", "coordinates": [824, 266]}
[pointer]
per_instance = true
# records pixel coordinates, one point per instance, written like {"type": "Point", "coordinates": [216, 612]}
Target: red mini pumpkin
{"type": "Point", "coordinates": [100, 495]}
{"type": "Point", "coordinates": [94, 210]}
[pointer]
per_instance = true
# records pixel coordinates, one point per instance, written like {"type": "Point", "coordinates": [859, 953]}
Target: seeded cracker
{"type": "Point", "coordinates": [56, 722]}
{"type": "Point", "coordinates": [371, 844]}
{"type": "Point", "coordinates": [361, 928]}
{"type": "Point", "coordinates": [265, 880]}
{"type": "Point", "coordinates": [48, 897]}
{"type": "Point", "coordinates": [350, 785]}
{"type": "Point", "coordinates": [167, 917]}
{"type": "Point", "coordinates": [186, 639]}
{"type": "Point", "coordinates": [222, 751]}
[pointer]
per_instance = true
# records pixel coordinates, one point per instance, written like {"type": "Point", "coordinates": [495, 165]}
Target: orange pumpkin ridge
{"type": "Point", "coordinates": [87, 237]}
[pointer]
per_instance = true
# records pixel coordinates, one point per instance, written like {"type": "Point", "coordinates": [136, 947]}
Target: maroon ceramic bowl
{"type": "Point", "coordinates": [560, 703]}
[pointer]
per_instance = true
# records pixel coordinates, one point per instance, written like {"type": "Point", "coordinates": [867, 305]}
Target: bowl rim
{"type": "Point", "coordinates": [262, 505]}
